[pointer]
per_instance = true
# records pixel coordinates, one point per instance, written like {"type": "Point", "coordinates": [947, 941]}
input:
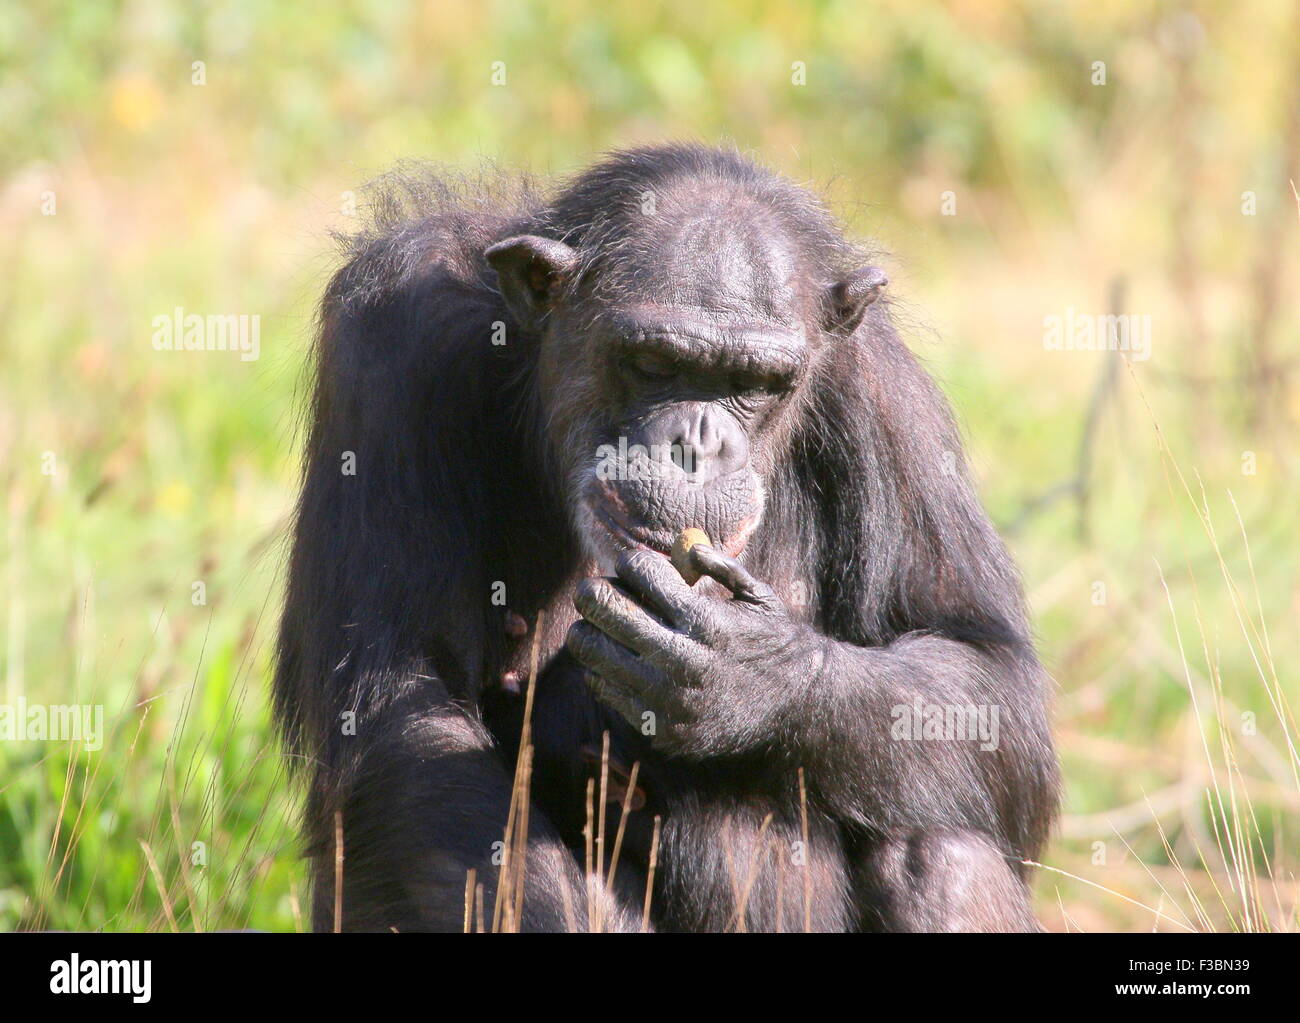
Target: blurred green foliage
{"type": "Point", "coordinates": [213, 187]}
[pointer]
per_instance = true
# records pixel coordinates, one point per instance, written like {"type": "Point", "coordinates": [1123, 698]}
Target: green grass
{"type": "Point", "coordinates": [176, 468]}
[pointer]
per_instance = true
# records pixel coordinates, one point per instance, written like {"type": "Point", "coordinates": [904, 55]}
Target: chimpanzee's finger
{"type": "Point", "coordinates": [652, 579]}
{"type": "Point", "coordinates": [619, 616]}
{"type": "Point", "coordinates": [613, 661]}
{"type": "Point", "coordinates": [732, 574]}
{"type": "Point", "coordinates": [618, 697]}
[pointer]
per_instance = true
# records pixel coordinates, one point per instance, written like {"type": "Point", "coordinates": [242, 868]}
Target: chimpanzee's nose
{"type": "Point", "coordinates": [703, 441]}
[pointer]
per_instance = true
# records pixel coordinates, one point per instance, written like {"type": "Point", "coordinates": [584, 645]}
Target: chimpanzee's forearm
{"type": "Point", "coordinates": [929, 732]}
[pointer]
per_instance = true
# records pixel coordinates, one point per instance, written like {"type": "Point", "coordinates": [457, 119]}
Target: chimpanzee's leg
{"type": "Point", "coordinates": [942, 881]}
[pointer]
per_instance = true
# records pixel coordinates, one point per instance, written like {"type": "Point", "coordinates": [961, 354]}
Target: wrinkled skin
{"type": "Point", "coordinates": [720, 678]}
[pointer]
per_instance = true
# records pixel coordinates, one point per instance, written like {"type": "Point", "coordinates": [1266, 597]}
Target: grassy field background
{"type": "Point", "coordinates": [162, 155]}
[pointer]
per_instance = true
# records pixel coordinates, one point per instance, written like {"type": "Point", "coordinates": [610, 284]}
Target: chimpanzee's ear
{"type": "Point", "coordinates": [847, 299]}
{"type": "Point", "coordinates": [531, 270]}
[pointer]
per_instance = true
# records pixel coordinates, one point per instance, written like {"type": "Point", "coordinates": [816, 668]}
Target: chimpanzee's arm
{"type": "Point", "coordinates": [723, 678]}
{"type": "Point", "coordinates": [929, 732]}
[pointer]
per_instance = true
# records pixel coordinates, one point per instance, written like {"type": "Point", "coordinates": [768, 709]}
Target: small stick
{"type": "Point", "coordinates": [588, 834]}
{"type": "Point", "coordinates": [780, 888]}
{"type": "Point", "coordinates": [731, 871]}
{"type": "Point", "coordinates": [650, 877]}
{"type": "Point", "coordinates": [516, 906]}
{"type": "Point", "coordinates": [807, 876]}
{"type": "Point", "coordinates": [519, 789]}
{"type": "Point", "coordinates": [338, 871]}
{"type": "Point", "coordinates": [628, 796]}
{"type": "Point", "coordinates": [469, 899]}
{"type": "Point", "coordinates": [604, 795]}
{"type": "Point", "coordinates": [756, 864]}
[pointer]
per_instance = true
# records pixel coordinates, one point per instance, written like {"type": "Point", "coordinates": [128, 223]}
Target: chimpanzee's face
{"type": "Point", "coordinates": [680, 370]}
{"type": "Point", "coordinates": [667, 371]}
{"type": "Point", "coordinates": [686, 402]}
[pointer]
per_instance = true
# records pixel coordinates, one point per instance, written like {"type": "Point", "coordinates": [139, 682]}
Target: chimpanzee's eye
{"type": "Point", "coordinates": [751, 383]}
{"type": "Point", "coordinates": [652, 366]}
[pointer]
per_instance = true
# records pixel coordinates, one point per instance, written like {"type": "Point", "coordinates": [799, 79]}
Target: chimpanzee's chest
{"type": "Point", "coordinates": [697, 804]}
{"type": "Point", "coordinates": [571, 771]}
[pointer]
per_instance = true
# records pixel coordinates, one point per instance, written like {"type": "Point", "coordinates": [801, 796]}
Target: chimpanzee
{"type": "Point", "coordinates": [522, 395]}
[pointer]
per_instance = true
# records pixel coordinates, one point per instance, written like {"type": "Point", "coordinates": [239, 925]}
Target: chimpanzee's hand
{"type": "Point", "coordinates": [718, 677]}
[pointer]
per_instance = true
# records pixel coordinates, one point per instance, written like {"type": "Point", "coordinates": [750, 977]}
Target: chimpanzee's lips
{"type": "Point", "coordinates": [606, 508]}
{"type": "Point", "coordinates": [628, 536]}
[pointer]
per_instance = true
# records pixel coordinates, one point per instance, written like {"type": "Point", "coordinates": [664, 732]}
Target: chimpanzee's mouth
{"type": "Point", "coordinates": [629, 537]}
{"type": "Point", "coordinates": [639, 520]}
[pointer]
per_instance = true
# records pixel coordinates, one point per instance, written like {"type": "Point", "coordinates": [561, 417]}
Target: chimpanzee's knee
{"type": "Point", "coordinates": [944, 881]}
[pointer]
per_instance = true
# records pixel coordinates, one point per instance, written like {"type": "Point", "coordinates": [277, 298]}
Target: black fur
{"type": "Point", "coordinates": [389, 613]}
